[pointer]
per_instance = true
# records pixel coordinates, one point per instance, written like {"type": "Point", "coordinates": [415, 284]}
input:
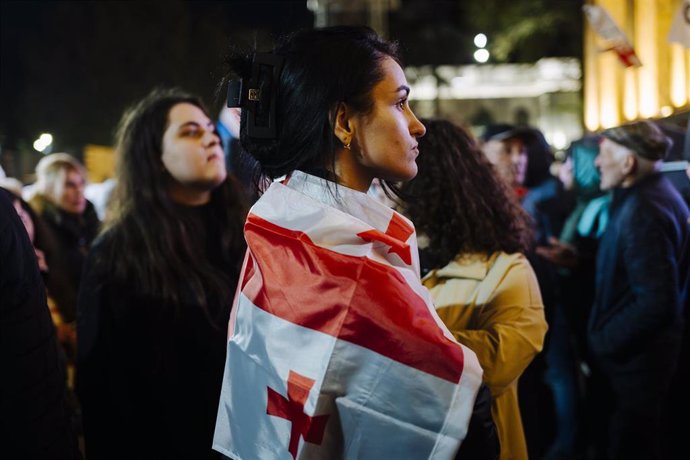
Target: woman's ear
{"type": "Point", "coordinates": [343, 126]}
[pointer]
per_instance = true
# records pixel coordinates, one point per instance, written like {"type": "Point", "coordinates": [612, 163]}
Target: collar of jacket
{"type": "Point", "coordinates": [468, 266]}
{"type": "Point", "coordinates": [619, 194]}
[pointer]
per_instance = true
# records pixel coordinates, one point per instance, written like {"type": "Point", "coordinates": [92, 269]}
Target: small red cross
{"type": "Point", "coordinates": [292, 409]}
{"type": "Point", "coordinates": [396, 235]}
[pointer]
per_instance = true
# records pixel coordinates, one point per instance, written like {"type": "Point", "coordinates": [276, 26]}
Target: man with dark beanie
{"type": "Point", "coordinates": [636, 326]}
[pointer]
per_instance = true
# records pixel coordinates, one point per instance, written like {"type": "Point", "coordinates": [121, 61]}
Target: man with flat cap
{"type": "Point", "coordinates": [636, 325]}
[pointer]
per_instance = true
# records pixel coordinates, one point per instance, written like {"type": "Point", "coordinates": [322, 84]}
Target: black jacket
{"type": "Point", "coordinates": [149, 373]}
{"type": "Point", "coordinates": [70, 236]}
{"type": "Point", "coordinates": [34, 420]}
{"type": "Point", "coordinates": [636, 324]}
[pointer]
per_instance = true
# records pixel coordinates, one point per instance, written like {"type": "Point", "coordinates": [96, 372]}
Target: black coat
{"type": "Point", "coordinates": [635, 328]}
{"type": "Point", "coordinates": [34, 419]}
{"type": "Point", "coordinates": [69, 238]}
{"type": "Point", "coordinates": [149, 373]}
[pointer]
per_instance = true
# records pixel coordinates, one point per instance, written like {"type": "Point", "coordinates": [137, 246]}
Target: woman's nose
{"type": "Point", "coordinates": [417, 128]}
{"type": "Point", "coordinates": [211, 139]}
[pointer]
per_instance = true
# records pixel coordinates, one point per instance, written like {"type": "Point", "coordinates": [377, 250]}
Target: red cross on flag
{"type": "Point", "coordinates": [614, 38]}
{"type": "Point", "coordinates": [335, 350]}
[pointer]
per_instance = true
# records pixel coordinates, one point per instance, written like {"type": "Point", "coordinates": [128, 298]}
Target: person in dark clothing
{"type": "Point", "coordinates": [70, 223]}
{"type": "Point", "coordinates": [157, 290]}
{"type": "Point", "coordinates": [579, 427]}
{"type": "Point", "coordinates": [34, 418]}
{"type": "Point", "coordinates": [636, 324]}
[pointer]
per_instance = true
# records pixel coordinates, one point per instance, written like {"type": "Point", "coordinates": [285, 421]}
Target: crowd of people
{"type": "Point", "coordinates": [320, 274]}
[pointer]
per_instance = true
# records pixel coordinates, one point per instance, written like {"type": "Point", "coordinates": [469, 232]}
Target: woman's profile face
{"type": "Point", "coordinates": [192, 152]}
{"type": "Point", "coordinates": [386, 139]}
{"type": "Point", "coordinates": [72, 197]}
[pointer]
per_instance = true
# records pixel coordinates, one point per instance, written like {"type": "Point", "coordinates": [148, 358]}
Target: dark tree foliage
{"type": "Point", "coordinates": [442, 31]}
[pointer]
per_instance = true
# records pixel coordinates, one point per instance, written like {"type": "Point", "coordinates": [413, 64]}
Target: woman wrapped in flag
{"type": "Point", "coordinates": [334, 348]}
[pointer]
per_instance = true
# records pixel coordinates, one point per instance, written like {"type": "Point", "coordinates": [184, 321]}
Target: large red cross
{"type": "Point", "coordinates": [292, 409]}
{"type": "Point", "coordinates": [396, 235]}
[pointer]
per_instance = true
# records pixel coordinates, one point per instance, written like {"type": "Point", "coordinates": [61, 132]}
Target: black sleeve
{"type": "Point", "coordinates": [97, 378]}
{"type": "Point", "coordinates": [35, 420]}
{"type": "Point", "coordinates": [481, 442]}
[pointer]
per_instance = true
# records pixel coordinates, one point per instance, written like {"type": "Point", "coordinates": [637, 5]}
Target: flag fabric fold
{"type": "Point", "coordinates": [616, 40]}
{"type": "Point", "coordinates": [334, 347]}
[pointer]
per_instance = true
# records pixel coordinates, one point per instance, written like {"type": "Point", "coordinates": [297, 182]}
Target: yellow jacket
{"type": "Point", "coordinates": [493, 306]}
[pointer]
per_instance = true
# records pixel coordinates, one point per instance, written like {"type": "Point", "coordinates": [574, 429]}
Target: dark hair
{"type": "Point", "coordinates": [149, 243]}
{"type": "Point", "coordinates": [539, 159]}
{"type": "Point", "coordinates": [458, 201]}
{"type": "Point", "coordinates": [322, 68]}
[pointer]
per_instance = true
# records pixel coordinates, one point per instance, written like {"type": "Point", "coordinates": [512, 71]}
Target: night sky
{"type": "Point", "coordinates": [71, 67]}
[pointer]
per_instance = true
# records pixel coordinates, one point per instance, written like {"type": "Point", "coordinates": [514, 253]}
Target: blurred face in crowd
{"type": "Point", "coordinates": [71, 198]}
{"type": "Point", "coordinates": [614, 163]}
{"type": "Point", "coordinates": [518, 159]}
{"type": "Point", "coordinates": [509, 158]}
{"type": "Point", "coordinates": [192, 154]}
{"type": "Point", "coordinates": [384, 141]}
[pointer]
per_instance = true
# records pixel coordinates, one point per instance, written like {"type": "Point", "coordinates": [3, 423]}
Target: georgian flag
{"type": "Point", "coordinates": [614, 37]}
{"type": "Point", "coordinates": [335, 350]}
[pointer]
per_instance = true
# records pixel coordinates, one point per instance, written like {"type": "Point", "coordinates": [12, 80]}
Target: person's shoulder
{"type": "Point", "coordinates": [656, 199]}
{"type": "Point", "coordinates": [516, 263]}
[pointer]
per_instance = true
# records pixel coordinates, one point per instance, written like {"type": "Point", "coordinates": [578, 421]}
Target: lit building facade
{"type": "Point", "coordinates": [614, 94]}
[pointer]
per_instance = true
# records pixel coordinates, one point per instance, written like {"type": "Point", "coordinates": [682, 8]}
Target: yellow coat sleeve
{"type": "Point", "coordinates": [505, 330]}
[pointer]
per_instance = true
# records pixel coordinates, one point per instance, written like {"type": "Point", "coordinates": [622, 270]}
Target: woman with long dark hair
{"type": "Point", "coordinates": [334, 348]}
{"type": "Point", "coordinates": [475, 234]}
{"type": "Point", "coordinates": [158, 286]}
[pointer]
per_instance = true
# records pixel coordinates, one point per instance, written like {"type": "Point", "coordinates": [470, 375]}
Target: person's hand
{"type": "Point", "coordinates": [559, 253]}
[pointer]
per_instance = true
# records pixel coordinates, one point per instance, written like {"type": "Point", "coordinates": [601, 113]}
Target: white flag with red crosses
{"type": "Point", "coordinates": [335, 349]}
{"type": "Point", "coordinates": [614, 38]}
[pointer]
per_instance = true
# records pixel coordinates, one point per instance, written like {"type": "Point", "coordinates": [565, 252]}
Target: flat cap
{"type": "Point", "coordinates": [642, 137]}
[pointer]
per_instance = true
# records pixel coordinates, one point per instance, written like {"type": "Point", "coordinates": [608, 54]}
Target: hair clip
{"type": "Point", "coordinates": [235, 96]}
{"type": "Point", "coordinates": [262, 95]}
{"type": "Point", "coordinates": [258, 96]}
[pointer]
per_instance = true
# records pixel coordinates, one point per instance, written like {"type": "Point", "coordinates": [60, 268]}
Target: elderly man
{"type": "Point", "coordinates": [635, 328]}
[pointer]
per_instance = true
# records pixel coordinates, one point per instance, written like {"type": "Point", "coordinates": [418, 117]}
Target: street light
{"type": "Point", "coordinates": [480, 41]}
{"type": "Point", "coordinates": [43, 142]}
{"type": "Point", "coordinates": [482, 54]}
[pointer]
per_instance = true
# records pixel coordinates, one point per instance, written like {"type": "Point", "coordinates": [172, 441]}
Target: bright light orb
{"type": "Point", "coordinates": [481, 55]}
{"type": "Point", "coordinates": [480, 40]}
{"type": "Point", "coordinates": [43, 142]}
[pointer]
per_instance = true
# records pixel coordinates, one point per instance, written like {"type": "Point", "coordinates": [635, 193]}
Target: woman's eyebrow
{"type": "Point", "coordinates": [195, 123]}
{"type": "Point", "coordinates": [403, 88]}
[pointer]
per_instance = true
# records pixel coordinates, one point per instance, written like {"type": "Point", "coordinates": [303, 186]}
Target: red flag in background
{"type": "Point", "coordinates": [614, 38]}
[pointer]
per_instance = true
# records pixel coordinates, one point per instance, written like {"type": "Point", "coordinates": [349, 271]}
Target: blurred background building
{"type": "Point", "coordinates": [69, 68]}
{"type": "Point", "coordinates": [658, 88]}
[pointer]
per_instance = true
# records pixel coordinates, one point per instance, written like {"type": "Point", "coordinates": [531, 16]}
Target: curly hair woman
{"type": "Point", "coordinates": [483, 287]}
